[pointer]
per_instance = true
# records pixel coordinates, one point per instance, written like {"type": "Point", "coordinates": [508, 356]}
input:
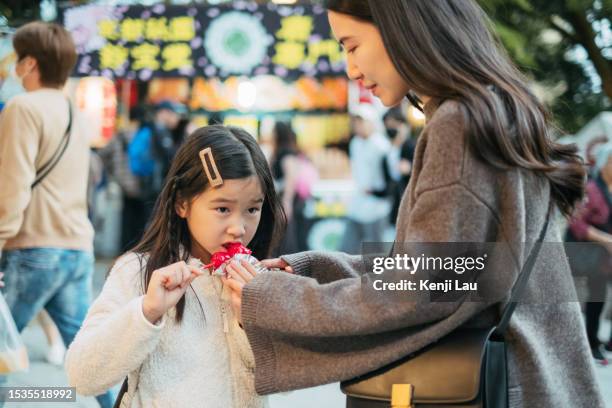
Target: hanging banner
{"type": "Point", "coordinates": [273, 94]}
{"type": "Point", "coordinates": [139, 42]}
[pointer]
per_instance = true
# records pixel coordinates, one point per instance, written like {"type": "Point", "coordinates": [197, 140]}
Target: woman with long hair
{"type": "Point", "coordinates": [485, 171]}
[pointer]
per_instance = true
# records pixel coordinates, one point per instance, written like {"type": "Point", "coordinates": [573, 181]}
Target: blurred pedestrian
{"type": "Point", "coordinates": [592, 222]}
{"type": "Point", "coordinates": [400, 158]}
{"type": "Point", "coordinates": [45, 233]}
{"type": "Point", "coordinates": [57, 349]}
{"type": "Point", "coordinates": [369, 207]}
{"type": "Point", "coordinates": [294, 176]}
{"type": "Point", "coordinates": [116, 163]}
{"type": "Point", "coordinates": [149, 153]}
{"type": "Point", "coordinates": [169, 132]}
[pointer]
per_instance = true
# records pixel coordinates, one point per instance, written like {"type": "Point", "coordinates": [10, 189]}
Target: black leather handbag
{"type": "Point", "coordinates": [466, 368]}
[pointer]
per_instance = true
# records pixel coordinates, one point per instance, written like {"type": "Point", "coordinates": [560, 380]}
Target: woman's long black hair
{"type": "Point", "coordinates": [237, 155]}
{"type": "Point", "coordinates": [446, 49]}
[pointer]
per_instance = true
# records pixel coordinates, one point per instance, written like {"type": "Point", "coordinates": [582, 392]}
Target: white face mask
{"type": "Point", "coordinates": [18, 79]}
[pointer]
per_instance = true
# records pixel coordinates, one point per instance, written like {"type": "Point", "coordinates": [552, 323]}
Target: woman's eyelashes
{"type": "Point", "coordinates": [349, 49]}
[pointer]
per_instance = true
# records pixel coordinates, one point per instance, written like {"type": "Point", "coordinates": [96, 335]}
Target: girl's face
{"type": "Point", "coordinates": [367, 59]}
{"type": "Point", "coordinates": [222, 215]}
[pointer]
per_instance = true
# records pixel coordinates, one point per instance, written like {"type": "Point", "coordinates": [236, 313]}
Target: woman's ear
{"type": "Point", "coordinates": [182, 208]}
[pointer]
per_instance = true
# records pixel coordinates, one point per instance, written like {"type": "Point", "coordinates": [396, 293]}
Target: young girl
{"type": "Point", "coordinates": [160, 320]}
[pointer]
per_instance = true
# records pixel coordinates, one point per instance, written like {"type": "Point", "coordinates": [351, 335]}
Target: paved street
{"type": "Point", "coordinates": [329, 396]}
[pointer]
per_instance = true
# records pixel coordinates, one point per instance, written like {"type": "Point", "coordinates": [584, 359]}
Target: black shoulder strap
{"type": "Point", "coordinates": [48, 166]}
{"type": "Point", "coordinates": [521, 281]}
{"type": "Point", "coordinates": [122, 391]}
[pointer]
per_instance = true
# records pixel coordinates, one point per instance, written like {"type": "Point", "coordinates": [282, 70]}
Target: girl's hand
{"type": "Point", "coordinates": [239, 275]}
{"type": "Point", "coordinates": [166, 287]}
{"type": "Point", "coordinates": [277, 263]}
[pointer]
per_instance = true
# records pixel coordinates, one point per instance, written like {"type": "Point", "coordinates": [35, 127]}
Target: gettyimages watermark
{"type": "Point", "coordinates": [484, 272]}
{"type": "Point", "coordinates": [425, 264]}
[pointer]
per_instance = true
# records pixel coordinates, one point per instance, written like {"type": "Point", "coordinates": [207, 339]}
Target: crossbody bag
{"type": "Point", "coordinates": [467, 368]}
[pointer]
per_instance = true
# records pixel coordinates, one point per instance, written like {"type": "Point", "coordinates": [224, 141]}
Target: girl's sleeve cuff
{"type": "Point", "coordinates": [146, 323]}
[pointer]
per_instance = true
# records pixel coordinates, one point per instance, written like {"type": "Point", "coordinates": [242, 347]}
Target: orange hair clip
{"type": "Point", "coordinates": [214, 177]}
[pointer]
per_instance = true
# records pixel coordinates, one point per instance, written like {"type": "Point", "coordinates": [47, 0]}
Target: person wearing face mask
{"type": "Point", "coordinates": [46, 238]}
{"type": "Point", "coordinates": [486, 170]}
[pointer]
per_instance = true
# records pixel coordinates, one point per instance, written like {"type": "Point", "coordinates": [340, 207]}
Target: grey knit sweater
{"type": "Point", "coordinates": [314, 327]}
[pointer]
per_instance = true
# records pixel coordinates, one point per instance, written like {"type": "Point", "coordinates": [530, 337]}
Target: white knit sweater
{"type": "Point", "coordinates": [204, 361]}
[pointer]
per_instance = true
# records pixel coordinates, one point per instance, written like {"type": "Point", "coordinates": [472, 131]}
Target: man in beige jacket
{"type": "Point", "coordinates": [45, 235]}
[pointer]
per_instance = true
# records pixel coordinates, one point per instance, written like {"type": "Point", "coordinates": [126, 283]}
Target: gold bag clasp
{"type": "Point", "coordinates": [401, 396]}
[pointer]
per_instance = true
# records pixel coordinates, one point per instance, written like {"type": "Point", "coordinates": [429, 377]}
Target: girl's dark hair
{"type": "Point", "coordinates": [446, 49]}
{"type": "Point", "coordinates": [237, 155]}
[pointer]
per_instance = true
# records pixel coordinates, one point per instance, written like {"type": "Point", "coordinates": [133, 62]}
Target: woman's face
{"type": "Point", "coordinates": [367, 59]}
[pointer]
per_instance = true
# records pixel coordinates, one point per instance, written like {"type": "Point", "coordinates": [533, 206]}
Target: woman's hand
{"type": "Point", "coordinates": [166, 287]}
{"type": "Point", "coordinates": [238, 276]}
{"type": "Point", "coordinates": [277, 263]}
{"type": "Point", "coordinates": [1, 282]}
